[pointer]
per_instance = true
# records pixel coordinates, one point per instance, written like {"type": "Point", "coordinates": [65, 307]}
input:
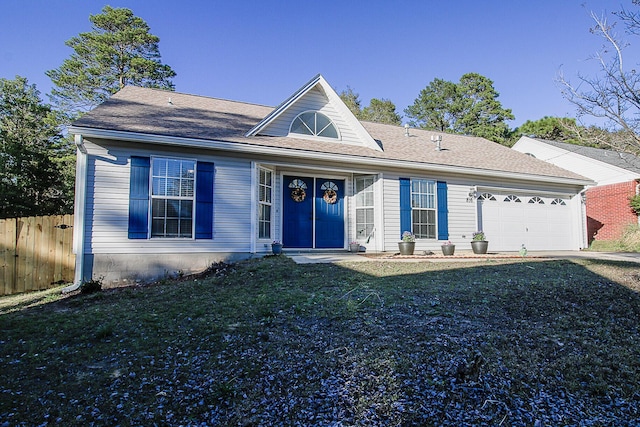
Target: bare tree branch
{"type": "Point", "coordinates": [614, 93]}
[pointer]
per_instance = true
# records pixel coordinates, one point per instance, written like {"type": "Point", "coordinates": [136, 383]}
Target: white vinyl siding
{"type": "Point", "coordinates": [108, 205]}
{"type": "Point", "coordinates": [391, 207]}
{"type": "Point", "coordinates": [462, 214]}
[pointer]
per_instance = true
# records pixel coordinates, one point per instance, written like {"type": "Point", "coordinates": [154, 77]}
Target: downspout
{"type": "Point", "coordinates": [584, 226]}
{"type": "Point", "coordinates": [254, 207]}
{"type": "Point", "coordinates": [79, 214]}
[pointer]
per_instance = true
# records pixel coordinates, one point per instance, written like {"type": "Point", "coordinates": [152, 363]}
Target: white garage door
{"type": "Point", "coordinates": [511, 220]}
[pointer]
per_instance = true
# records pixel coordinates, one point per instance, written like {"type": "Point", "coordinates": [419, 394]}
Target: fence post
{"type": "Point", "coordinates": [8, 255]}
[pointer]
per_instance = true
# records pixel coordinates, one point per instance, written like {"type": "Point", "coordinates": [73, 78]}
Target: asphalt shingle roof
{"type": "Point", "coordinates": [158, 112]}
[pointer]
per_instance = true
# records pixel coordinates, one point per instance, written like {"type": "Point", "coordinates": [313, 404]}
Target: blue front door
{"type": "Point", "coordinates": [313, 214]}
{"type": "Point", "coordinates": [297, 221]}
{"type": "Point", "coordinates": [329, 213]}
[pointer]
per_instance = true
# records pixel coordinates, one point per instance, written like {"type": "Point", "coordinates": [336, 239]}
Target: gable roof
{"type": "Point", "coordinates": [161, 117]}
{"type": "Point", "coordinates": [317, 82]}
{"type": "Point", "coordinates": [615, 158]}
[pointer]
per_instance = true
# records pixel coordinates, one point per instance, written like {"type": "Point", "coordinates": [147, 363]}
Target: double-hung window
{"type": "Point", "coordinates": [423, 208]}
{"type": "Point", "coordinates": [364, 206]}
{"type": "Point", "coordinates": [265, 197]}
{"type": "Point", "coordinates": [172, 197]}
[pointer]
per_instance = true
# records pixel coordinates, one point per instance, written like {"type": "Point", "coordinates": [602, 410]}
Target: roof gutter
{"type": "Point", "coordinates": [248, 148]}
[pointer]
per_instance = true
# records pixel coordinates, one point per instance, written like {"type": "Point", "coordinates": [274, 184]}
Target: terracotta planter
{"type": "Point", "coordinates": [479, 246]}
{"type": "Point", "coordinates": [406, 248]}
{"type": "Point", "coordinates": [276, 248]}
{"type": "Point", "coordinates": [448, 249]}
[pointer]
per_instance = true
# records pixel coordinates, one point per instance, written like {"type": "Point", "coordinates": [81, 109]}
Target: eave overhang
{"type": "Point", "coordinates": [292, 153]}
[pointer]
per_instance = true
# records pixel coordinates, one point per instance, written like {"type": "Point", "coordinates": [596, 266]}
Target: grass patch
{"type": "Point", "coordinates": [28, 300]}
{"type": "Point", "coordinates": [628, 242]}
{"type": "Point", "coordinates": [269, 342]}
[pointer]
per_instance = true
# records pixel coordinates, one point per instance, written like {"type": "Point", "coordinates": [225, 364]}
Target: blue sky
{"type": "Point", "coordinates": [262, 51]}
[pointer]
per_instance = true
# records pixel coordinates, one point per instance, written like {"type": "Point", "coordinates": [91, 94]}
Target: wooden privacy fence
{"type": "Point", "coordinates": [36, 253]}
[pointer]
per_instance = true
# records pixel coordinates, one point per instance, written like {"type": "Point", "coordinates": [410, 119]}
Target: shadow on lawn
{"type": "Point", "coordinates": [378, 343]}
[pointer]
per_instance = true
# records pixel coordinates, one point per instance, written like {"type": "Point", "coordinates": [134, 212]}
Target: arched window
{"type": "Point", "coordinates": [330, 192]}
{"type": "Point", "coordinates": [558, 202]}
{"type": "Point", "coordinates": [314, 123]}
{"type": "Point", "coordinates": [486, 196]}
{"type": "Point", "coordinates": [512, 198]}
{"type": "Point", "coordinates": [536, 200]}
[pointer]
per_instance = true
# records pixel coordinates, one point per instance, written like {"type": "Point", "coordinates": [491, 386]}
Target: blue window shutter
{"type": "Point", "coordinates": [204, 201]}
{"type": "Point", "coordinates": [443, 211]}
{"type": "Point", "coordinates": [139, 198]}
{"type": "Point", "coordinates": [405, 205]}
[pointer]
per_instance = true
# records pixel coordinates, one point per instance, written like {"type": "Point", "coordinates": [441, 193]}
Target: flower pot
{"type": "Point", "coordinates": [354, 247]}
{"type": "Point", "coordinates": [479, 246]}
{"type": "Point", "coordinates": [448, 249]}
{"type": "Point", "coordinates": [276, 248]}
{"type": "Point", "coordinates": [406, 248]}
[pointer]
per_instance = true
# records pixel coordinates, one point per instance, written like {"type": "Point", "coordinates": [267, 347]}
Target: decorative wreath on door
{"type": "Point", "coordinates": [330, 189]}
{"type": "Point", "coordinates": [298, 187]}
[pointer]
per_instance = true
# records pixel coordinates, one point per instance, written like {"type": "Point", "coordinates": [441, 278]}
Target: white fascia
{"type": "Point", "coordinates": [248, 148]}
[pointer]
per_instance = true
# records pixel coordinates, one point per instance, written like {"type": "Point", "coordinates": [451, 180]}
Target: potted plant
{"type": "Point", "coordinates": [354, 247]}
{"type": "Point", "coordinates": [408, 243]}
{"type": "Point", "coordinates": [276, 247]}
{"type": "Point", "coordinates": [448, 248]}
{"type": "Point", "coordinates": [479, 243]}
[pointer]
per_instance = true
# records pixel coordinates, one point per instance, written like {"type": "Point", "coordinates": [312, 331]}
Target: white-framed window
{"type": "Point", "coordinates": [364, 206]}
{"type": "Point", "coordinates": [512, 198]}
{"type": "Point", "coordinates": [423, 208]}
{"type": "Point", "coordinates": [487, 196]}
{"type": "Point", "coordinates": [313, 123]}
{"type": "Point", "coordinates": [172, 197]}
{"type": "Point", "coordinates": [265, 203]}
{"type": "Point", "coordinates": [559, 202]}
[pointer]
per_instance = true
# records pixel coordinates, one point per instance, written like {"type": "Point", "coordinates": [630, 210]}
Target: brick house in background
{"type": "Point", "coordinates": [608, 211]}
{"type": "Point", "coordinates": [617, 177]}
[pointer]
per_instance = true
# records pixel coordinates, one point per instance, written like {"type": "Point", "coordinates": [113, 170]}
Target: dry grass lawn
{"type": "Point", "coordinates": [269, 342]}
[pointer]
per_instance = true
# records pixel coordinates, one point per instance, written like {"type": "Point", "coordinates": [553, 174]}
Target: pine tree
{"type": "Point", "coordinates": [34, 157]}
{"type": "Point", "coordinates": [118, 51]}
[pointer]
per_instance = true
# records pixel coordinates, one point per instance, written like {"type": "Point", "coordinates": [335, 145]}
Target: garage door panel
{"type": "Point", "coordinates": [509, 224]}
{"type": "Point", "coordinates": [503, 225]}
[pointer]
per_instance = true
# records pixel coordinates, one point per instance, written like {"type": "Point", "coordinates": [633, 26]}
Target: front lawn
{"type": "Point", "coordinates": [268, 342]}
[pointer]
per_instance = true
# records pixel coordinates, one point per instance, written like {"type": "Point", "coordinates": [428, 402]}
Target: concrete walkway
{"type": "Point", "coordinates": [332, 257]}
